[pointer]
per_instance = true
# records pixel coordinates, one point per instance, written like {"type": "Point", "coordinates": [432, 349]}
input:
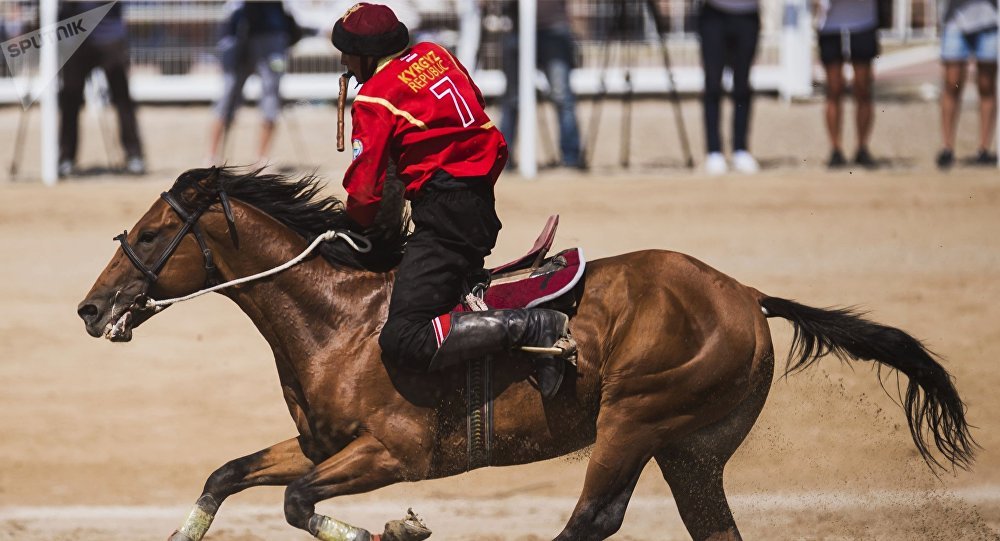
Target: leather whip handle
{"type": "Point", "coordinates": [341, 103]}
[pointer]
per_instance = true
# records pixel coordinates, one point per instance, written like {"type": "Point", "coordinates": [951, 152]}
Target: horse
{"type": "Point", "coordinates": [674, 363]}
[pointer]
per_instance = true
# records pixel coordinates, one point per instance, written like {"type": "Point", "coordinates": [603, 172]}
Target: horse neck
{"type": "Point", "coordinates": [305, 308]}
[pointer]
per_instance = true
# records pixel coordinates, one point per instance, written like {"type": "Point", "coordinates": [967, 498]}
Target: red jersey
{"type": "Point", "coordinates": [422, 110]}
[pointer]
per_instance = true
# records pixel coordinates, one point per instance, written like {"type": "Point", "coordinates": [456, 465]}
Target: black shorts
{"type": "Point", "coordinates": [849, 47]}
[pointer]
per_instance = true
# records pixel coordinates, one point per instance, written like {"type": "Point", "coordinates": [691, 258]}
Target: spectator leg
{"type": "Point", "coordinates": [951, 94]}
{"type": "Point", "coordinates": [864, 79]}
{"type": "Point", "coordinates": [508, 104]}
{"type": "Point", "coordinates": [272, 59]}
{"type": "Point", "coordinates": [74, 76]}
{"type": "Point", "coordinates": [558, 70]}
{"type": "Point", "coordinates": [834, 96]}
{"type": "Point", "coordinates": [986, 79]}
{"type": "Point", "coordinates": [225, 110]}
{"type": "Point", "coordinates": [115, 67]}
{"type": "Point", "coordinates": [746, 31]}
{"type": "Point", "coordinates": [711, 31]}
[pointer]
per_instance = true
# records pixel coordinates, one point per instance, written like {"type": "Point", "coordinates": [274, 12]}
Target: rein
{"type": "Point", "coordinates": [212, 283]}
{"type": "Point", "coordinates": [329, 235]}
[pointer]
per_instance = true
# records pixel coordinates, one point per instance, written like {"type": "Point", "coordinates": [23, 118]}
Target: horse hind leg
{"type": "Point", "coordinates": [612, 472]}
{"type": "Point", "coordinates": [693, 467]}
{"type": "Point", "coordinates": [696, 483]}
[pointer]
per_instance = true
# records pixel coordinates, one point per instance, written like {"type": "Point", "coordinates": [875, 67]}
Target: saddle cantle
{"type": "Point", "coordinates": [534, 256]}
{"type": "Point", "coordinates": [532, 280]}
{"type": "Point", "coordinates": [532, 287]}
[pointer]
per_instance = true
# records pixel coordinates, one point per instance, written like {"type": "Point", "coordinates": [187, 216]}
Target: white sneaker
{"type": "Point", "coordinates": [715, 164]}
{"type": "Point", "coordinates": [745, 163]}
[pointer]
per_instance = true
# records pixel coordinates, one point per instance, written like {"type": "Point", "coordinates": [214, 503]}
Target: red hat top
{"type": "Point", "coordinates": [370, 30]}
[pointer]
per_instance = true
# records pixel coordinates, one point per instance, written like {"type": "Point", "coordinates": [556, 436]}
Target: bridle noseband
{"type": "Point", "coordinates": [190, 226]}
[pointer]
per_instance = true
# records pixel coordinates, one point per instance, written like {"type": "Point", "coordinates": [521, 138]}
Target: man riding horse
{"type": "Point", "coordinates": [419, 109]}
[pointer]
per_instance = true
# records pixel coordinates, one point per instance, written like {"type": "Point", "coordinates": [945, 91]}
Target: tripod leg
{"type": "Point", "coordinates": [675, 98]}
{"type": "Point", "coordinates": [626, 138]}
{"type": "Point", "coordinates": [543, 128]}
{"type": "Point", "coordinates": [586, 153]}
{"type": "Point", "coordinates": [22, 126]}
{"type": "Point", "coordinates": [292, 121]}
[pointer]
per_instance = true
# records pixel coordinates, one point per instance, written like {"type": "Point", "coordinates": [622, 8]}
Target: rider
{"type": "Point", "coordinates": [419, 109]}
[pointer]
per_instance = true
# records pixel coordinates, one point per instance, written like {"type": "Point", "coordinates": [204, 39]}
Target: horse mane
{"type": "Point", "coordinates": [297, 204]}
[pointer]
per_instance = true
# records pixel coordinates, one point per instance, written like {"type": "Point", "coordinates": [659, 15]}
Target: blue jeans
{"type": "Point", "coordinates": [555, 58]}
{"type": "Point", "coordinates": [958, 47]}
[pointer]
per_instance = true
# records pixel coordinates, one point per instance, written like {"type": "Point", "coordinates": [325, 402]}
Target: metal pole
{"type": "Point", "coordinates": [469, 28]}
{"type": "Point", "coordinates": [796, 51]}
{"type": "Point", "coordinates": [49, 66]}
{"type": "Point", "coordinates": [527, 134]}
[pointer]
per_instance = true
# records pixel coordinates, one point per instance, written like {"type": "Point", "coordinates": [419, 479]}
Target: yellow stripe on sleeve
{"type": "Point", "coordinates": [392, 109]}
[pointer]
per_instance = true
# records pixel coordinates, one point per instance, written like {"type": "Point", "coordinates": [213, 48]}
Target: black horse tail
{"type": "Point", "coordinates": [933, 407]}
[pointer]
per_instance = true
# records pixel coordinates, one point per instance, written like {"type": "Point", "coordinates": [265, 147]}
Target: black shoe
{"type": "Point", "coordinates": [984, 157]}
{"type": "Point", "coordinates": [864, 159]}
{"type": "Point", "coordinates": [945, 159]}
{"type": "Point", "coordinates": [474, 335]}
{"type": "Point", "coordinates": [549, 372]}
{"type": "Point", "coordinates": [836, 160]}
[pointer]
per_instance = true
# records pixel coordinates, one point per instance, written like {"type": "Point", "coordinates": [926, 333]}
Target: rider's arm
{"type": "Point", "coordinates": [371, 135]}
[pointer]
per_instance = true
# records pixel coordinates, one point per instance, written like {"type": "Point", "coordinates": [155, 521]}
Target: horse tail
{"type": "Point", "coordinates": [933, 407]}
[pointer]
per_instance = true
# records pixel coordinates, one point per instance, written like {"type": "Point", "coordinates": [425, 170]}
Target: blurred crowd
{"type": "Point", "coordinates": [255, 38]}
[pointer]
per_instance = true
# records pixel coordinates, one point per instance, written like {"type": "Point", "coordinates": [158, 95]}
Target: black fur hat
{"type": "Point", "coordinates": [370, 30]}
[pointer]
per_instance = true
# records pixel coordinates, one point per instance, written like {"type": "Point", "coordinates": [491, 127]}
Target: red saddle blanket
{"type": "Point", "coordinates": [531, 287]}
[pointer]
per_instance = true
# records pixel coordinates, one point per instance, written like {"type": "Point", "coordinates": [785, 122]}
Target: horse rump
{"type": "Point", "coordinates": [931, 402]}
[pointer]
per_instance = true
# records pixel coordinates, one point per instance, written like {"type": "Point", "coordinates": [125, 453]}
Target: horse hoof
{"type": "Point", "coordinates": [178, 536]}
{"type": "Point", "coordinates": [410, 528]}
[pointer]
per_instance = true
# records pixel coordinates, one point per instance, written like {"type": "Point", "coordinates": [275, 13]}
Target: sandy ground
{"type": "Point", "coordinates": [108, 442]}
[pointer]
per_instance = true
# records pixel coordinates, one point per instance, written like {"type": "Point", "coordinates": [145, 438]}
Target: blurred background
{"type": "Point", "coordinates": [626, 76]}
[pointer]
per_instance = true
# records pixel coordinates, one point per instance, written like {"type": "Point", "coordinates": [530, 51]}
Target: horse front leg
{"type": "Point", "coordinates": [277, 465]}
{"type": "Point", "coordinates": [364, 465]}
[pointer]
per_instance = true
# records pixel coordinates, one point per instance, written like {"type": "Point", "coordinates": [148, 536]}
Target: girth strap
{"type": "Point", "coordinates": [479, 416]}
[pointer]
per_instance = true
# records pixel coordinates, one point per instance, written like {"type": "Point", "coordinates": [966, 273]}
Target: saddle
{"type": "Point", "coordinates": [527, 282]}
{"type": "Point", "coordinates": [532, 279]}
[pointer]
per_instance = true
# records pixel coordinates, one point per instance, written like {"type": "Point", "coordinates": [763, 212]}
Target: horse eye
{"type": "Point", "coordinates": [147, 237]}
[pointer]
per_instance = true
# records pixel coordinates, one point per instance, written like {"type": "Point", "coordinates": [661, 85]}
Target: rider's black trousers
{"type": "Point", "coordinates": [455, 228]}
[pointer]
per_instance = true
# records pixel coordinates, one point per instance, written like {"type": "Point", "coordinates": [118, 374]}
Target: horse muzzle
{"type": "Point", "coordinates": [115, 320]}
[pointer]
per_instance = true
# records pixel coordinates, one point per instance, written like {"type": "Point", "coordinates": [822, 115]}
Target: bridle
{"type": "Point", "coordinates": [356, 241]}
{"type": "Point", "coordinates": [190, 225]}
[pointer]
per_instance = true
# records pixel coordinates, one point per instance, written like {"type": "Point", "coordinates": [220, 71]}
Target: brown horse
{"type": "Point", "coordinates": [675, 362]}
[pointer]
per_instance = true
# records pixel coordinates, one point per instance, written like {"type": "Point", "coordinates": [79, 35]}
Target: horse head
{"type": "Point", "coordinates": [166, 254]}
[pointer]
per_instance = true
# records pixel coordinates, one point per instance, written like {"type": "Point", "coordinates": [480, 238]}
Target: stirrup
{"type": "Point", "coordinates": [564, 348]}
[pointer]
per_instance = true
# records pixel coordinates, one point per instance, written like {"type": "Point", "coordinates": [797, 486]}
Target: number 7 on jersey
{"type": "Point", "coordinates": [446, 87]}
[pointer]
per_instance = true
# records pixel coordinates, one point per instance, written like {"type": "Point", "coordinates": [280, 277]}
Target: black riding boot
{"type": "Point", "coordinates": [474, 335]}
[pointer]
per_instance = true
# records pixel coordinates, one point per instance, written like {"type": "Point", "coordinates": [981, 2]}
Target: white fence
{"type": "Point", "coordinates": [173, 43]}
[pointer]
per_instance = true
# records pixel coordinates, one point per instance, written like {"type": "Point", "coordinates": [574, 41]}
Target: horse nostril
{"type": "Point", "coordinates": [87, 311]}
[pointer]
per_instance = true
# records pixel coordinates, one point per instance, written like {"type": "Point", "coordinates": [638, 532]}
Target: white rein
{"type": "Point", "coordinates": [329, 235]}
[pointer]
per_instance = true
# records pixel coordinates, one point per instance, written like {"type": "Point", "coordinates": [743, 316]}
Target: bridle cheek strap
{"type": "Point", "coordinates": [130, 253]}
{"type": "Point", "coordinates": [190, 226]}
